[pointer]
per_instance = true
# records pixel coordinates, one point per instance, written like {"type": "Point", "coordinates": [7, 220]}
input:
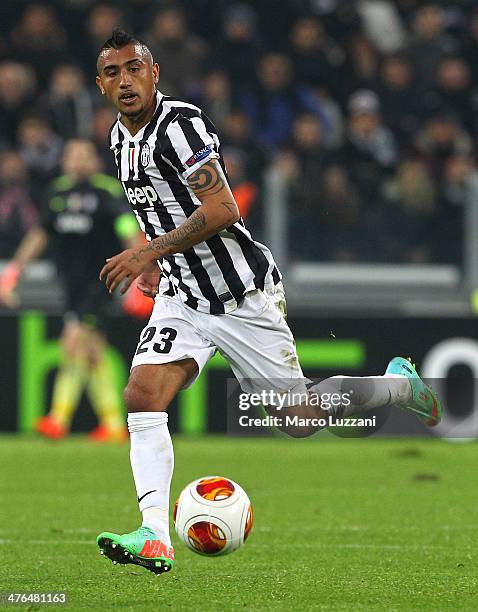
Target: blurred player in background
{"type": "Point", "coordinates": [217, 289]}
{"type": "Point", "coordinates": [83, 217]}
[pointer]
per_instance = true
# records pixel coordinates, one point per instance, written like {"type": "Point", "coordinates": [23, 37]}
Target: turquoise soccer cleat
{"type": "Point", "coordinates": [424, 402]}
{"type": "Point", "coordinates": [140, 547]}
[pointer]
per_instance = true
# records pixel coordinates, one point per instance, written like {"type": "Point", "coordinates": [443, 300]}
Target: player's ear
{"type": "Point", "coordinates": [100, 85]}
{"type": "Point", "coordinates": [156, 72]}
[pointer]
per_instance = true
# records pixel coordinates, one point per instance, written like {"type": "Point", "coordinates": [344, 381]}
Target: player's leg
{"type": "Point", "coordinates": [102, 389]}
{"type": "Point", "coordinates": [69, 382]}
{"type": "Point", "coordinates": [169, 357]}
{"type": "Point", "coordinates": [261, 349]}
{"type": "Point", "coordinates": [400, 385]}
{"type": "Point", "coordinates": [150, 390]}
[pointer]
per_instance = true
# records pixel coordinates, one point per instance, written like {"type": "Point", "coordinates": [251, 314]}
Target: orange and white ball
{"type": "Point", "coordinates": [213, 516]}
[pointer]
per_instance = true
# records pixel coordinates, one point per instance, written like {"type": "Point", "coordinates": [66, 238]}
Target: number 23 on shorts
{"type": "Point", "coordinates": [167, 335]}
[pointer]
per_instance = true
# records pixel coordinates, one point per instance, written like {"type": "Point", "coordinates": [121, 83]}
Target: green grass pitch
{"type": "Point", "coordinates": [340, 524]}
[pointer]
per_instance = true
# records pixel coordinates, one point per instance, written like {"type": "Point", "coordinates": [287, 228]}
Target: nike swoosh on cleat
{"type": "Point", "coordinates": [143, 496]}
{"type": "Point", "coordinates": [156, 548]}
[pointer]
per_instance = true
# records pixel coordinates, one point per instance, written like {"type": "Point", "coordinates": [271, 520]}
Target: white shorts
{"type": "Point", "coordinates": [255, 339]}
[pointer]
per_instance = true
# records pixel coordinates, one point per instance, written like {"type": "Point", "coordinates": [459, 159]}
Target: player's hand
{"type": "Point", "coordinates": [126, 266]}
{"type": "Point", "coordinates": [148, 281]}
{"type": "Point", "coordinates": [8, 282]}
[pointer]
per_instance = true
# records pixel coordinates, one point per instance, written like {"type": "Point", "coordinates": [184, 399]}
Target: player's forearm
{"type": "Point", "coordinates": [206, 221]}
{"type": "Point", "coordinates": [31, 247]}
{"type": "Point", "coordinates": [218, 210]}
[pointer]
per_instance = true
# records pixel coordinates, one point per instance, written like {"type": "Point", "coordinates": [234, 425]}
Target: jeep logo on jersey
{"type": "Point", "coordinates": [145, 154]}
{"type": "Point", "coordinates": [141, 197]}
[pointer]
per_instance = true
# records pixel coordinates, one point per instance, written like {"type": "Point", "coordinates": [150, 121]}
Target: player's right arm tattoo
{"type": "Point", "coordinates": [210, 186]}
{"type": "Point", "coordinates": [181, 238]}
{"type": "Point", "coordinates": [209, 183]}
{"type": "Point", "coordinates": [208, 180]}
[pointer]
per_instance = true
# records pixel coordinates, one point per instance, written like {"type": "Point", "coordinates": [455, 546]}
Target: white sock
{"type": "Point", "coordinates": [364, 393]}
{"type": "Point", "coordinates": [152, 462]}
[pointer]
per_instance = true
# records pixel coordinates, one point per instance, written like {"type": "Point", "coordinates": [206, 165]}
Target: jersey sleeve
{"type": "Point", "coordinates": [187, 144]}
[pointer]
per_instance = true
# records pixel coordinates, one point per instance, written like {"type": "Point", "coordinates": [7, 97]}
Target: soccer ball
{"type": "Point", "coordinates": [213, 516]}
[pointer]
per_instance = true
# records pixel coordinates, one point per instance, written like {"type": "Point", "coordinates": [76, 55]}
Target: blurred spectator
{"type": "Point", "coordinates": [69, 103]}
{"type": "Point", "coordinates": [369, 151]}
{"type": "Point", "coordinates": [400, 108]}
{"type": "Point", "coordinates": [363, 65]}
{"type": "Point", "coordinates": [453, 91]}
{"type": "Point", "coordinates": [238, 134]}
{"type": "Point", "coordinates": [137, 13]}
{"type": "Point", "coordinates": [103, 19]}
{"type": "Point", "coordinates": [318, 62]}
{"type": "Point", "coordinates": [40, 148]}
{"type": "Point", "coordinates": [340, 19]}
{"type": "Point", "coordinates": [307, 160]}
{"type": "Point", "coordinates": [307, 144]}
{"type": "Point", "coordinates": [440, 138]}
{"type": "Point", "coordinates": [341, 231]}
{"type": "Point", "coordinates": [458, 189]}
{"type": "Point", "coordinates": [430, 42]}
{"type": "Point", "coordinates": [39, 39]}
{"type": "Point", "coordinates": [179, 53]}
{"type": "Point", "coordinates": [326, 217]}
{"type": "Point", "coordinates": [17, 85]}
{"type": "Point", "coordinates": [410, 205]}
{"type": "Point", "coordinates": [274, 20]}
{"type": "Point", "coordinates": [237, 50]}
{"type": "Point", "coordinates": [18, 213]}
{"type": "Point", "coordinates": [216, 97]}
{"type": "Point", "coordinates": [323, 202]}
{"type": "Point", "coordinates": [382, 25]}
{"type": "Point", "coordinates": [275, 100]}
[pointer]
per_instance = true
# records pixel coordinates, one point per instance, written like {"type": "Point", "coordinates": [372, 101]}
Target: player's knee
{"type": "Point", "coordinates": [142, 398]}
{"type": "Point", "coordinates": [360, 389]}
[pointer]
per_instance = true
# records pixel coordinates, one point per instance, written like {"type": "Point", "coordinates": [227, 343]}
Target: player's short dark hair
{"type": "Point", "coordinates": [119, 39]}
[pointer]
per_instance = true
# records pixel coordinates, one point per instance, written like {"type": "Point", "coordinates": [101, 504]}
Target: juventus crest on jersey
{"type": "Point", "coordinates": [153, 166]}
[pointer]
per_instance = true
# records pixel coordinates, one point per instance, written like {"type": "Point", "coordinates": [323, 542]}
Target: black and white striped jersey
{"type": "Point", "coordinates": [153, 167]}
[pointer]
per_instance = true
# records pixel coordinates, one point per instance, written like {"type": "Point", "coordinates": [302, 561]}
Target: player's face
{"type": "Point", "coordinates": [128, 79]}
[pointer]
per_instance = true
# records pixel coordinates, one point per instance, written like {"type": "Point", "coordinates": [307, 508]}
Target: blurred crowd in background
{"type": "Point", "coordinates": [367, 108]}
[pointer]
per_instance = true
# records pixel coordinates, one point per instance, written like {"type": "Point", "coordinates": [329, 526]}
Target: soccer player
{"type": "Point", "coordinates": [215, 288]}
{"type": "Point", "coordinates": [84, 213]}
